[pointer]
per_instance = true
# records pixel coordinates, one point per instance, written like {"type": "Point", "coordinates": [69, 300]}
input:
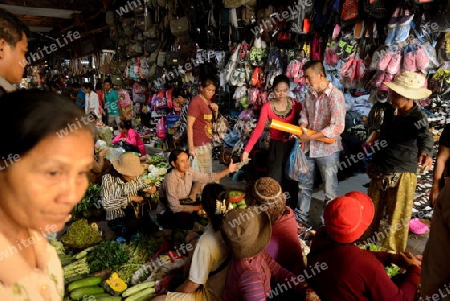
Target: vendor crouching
{"type": "Point", "coordinates": [120, 195]}
{"type": "Point", "coordinates": [352, 273]}
{"type": "Point", "coordinates": [176, 202]}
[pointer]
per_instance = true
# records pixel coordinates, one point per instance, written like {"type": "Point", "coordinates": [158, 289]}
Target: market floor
{"type": "Point", "coordinates": [416, 243]}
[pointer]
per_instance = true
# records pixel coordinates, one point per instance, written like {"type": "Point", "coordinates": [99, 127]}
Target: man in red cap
{"type": "Point", "coordinates": [353, 273]}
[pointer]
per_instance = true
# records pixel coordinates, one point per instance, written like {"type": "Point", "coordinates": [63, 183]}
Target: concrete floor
{"type": "Point", "coordinates": [416, 243]}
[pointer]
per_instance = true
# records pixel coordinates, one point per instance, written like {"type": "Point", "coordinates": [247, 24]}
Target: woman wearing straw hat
{"type": "Point", "coordinates": [352, 273]}
{"type": "Point", "coordinates": [119, 191]}
{"type": "Point", "coordinates": [211, 257]}
{"type": "Point", "coordinates": [247, 232]}
{"type": "Point", "coordinates": [405, 143]}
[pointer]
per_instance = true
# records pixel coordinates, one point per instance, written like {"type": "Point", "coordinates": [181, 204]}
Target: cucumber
{"type": "Point", "coordinates": [101, 295]}
{"type": "Point", "coordinates": [79, 293]}
{"type": "Point", "coordinates": [89, 281]}
{"type": "Point", "coordinates": [69, 280]}
{"type": "Point", "coordinates": [110, 298]}
{"type": "Point", "coordinates": [137, 288]}
{"type": "Point", "coordinates": [141, 295]}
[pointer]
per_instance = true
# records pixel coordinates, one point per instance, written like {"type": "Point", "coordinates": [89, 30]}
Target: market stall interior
{"type": "Point", "coordinates": [147, 59]}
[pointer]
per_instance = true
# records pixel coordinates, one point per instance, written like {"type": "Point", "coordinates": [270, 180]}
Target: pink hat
{"type": "Point", "coordinates": [347, 217]}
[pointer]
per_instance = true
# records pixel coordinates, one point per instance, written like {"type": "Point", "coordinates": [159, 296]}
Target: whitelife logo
{"type": "Point", "coordinates": [60, 43]}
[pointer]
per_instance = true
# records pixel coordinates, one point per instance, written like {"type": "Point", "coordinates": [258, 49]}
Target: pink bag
{"type": "Point", "coordinates": [161, 128]}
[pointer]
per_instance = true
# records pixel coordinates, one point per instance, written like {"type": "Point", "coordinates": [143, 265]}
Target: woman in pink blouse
{"type": "Point", "coordinates": [177, 186]}
{"type": "Point", "coordinates": [129, 135]}
{"type": "Point", "coordinates": [285, 109]}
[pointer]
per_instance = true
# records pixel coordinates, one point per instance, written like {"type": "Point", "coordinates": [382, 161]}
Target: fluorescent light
{"type": "Point", "coordinates": [40, 12]}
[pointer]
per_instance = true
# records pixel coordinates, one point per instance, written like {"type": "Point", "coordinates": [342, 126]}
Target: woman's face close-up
{"type": "Point", "coordinates": [209, 91]}
{"type": "Point", "coordinates": [182, 163]}
{"type": "Point", "coordinates": [39, 190]}
{"type": "Point", "coordinates": [281, 90]}
{"type": "Point", "coordinates": [398, 101]}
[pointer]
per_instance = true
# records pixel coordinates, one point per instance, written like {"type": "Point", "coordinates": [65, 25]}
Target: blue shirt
{"type": "Point", "coordinates": [81, 95]}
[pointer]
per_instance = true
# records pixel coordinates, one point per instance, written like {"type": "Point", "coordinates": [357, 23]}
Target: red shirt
{"type": "Point", "coordinates": [202, 128]}
{"type": "Point", "coordinates": [284, 245]}
{"type": "Point", "coordinates": [268, 114]}
{"type": "Point", "coordinates": [100, 101]}
{"type": "Point", "coordinates": [355, 274]}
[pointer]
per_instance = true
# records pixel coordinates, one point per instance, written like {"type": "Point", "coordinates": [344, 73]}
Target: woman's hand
{"type": "Point", "coordinates": [434, 192]}
{"type": "Point", "coordinates": [150, 190]}
{"type": "Point", "coordinates": [137, 199]}
{"type": "Point", "coordinates": [425, 161]}
{"type": "Point", "coordinates": [244, 157]}
{"type": "Point", "coordinates": [232, 167]}
{"type": "Point", "coordinates": [405, 260]}
{"type": "Point", "coordinates": [214, 107]}
{"type": "Point", "coordinates": [312, 296]}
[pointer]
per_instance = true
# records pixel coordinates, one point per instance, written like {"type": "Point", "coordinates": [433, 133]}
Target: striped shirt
{"type": "Point", "coordinates": [183, 119]}
{"type": "Point", "coordinates": [116, 194]}
{"type": "Point", "coordinates": [249, 279]}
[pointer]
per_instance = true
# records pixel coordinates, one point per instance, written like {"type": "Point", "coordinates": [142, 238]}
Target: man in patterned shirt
{"type": "Point", "coordinates": [324, 112]}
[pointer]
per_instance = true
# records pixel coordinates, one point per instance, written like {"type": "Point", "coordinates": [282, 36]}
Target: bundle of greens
{"type": "Point", "coordinates": [108, 254]}
{"type": "Point", "coordinates": [90, 201]}
{"type": "Point", "coordinates": [80, 234]}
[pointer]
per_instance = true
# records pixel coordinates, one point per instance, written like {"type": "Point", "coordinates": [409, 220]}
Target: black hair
{"type": "Point", "coordinates": [88, 85]}
{"type": "Point", "coordinates": [12, 29]}
{"type": "Point", "coordinates": [76, 85]}
{"type": "Point", "coordinates": [179, 91]}
{"type": "Point", "coordinates": [317, 66]}
{"type": "Point", "coordinates": [32, 115]}
{"type": "Point", "coordinates": [212, 193]}
{"type": "Point", "coordinates": [281, 79]}
{"type": "Point", "coordinates": [207, 81]}
{"type": "Point", "coordinates": [125, 124]}
{"type": "Point", "coordinates": [108, 80]}
{"type": "Point", "coordinates": [98, 86]}
{"type": "Point", "coordinates": [174, 155]}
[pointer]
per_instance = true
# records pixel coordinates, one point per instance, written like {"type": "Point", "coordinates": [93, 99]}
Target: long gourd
{"type": "Point", "coordinates": [137, 288]}
{"type": "Point", "coordinates": [296, 130]}
{"type": "Point", "coordinates": [86, 282]}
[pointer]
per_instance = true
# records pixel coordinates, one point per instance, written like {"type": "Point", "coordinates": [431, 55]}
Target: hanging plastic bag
{"type": "Point", "coordinates": [297, 166]}
{"type": "Point", "coordinates": [161, 128]}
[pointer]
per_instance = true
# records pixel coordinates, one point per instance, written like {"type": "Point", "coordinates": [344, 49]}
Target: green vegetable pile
{"type": "Point", "coordinates": [235, 193]}
{"type": "Point", "coordinates": [59, 247]}
{"type": "Point", "coordinates": [391, 270]}
{"type": "Point", "coordinates": [91, 197]}
{"type": "Point", "coordinates": [108, 254]}
{"type": "Point", "coordinates": [81, 234]}
{"type": "Point", "coordinates": [141, 251]}
{"type": "Point", "coordinates": [156, 159]}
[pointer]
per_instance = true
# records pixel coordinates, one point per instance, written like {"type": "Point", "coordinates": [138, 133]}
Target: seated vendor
{"type": "Point", "coordinates": [211, 257]}
{"type": "Point", "coordinates": [177, 186]}
{"type": "Point", "coordinates": [247, 232]}
{"type": "Point", "coordinates": [120, 195]}
{"type": "Point", "coordinates": [284, 245]}
{"type": "Point", "coordinates": [348, 272]}
{"type": "Point", "coordinates": [131, 141]}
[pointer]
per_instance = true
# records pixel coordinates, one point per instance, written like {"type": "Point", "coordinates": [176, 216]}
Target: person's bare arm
{"type": "Point", "coordinates": [439, 167]}
{"type": "Point", "coordinates": [188, 287]}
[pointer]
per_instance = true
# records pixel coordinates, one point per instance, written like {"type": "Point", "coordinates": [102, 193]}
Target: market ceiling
{"type": "Point", "coordinates": [51, 19]}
